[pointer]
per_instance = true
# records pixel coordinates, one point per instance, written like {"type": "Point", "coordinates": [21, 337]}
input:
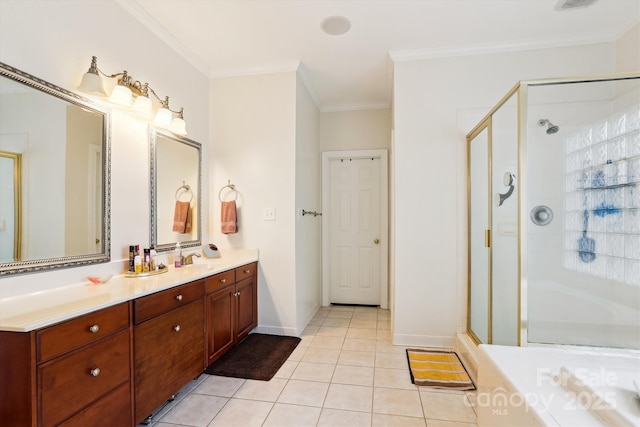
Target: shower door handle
{"type": "Point", "coordinates": [487, 238]}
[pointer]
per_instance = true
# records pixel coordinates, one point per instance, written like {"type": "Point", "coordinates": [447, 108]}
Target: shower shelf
{"type": "Point", "coordinates": [608, 187]}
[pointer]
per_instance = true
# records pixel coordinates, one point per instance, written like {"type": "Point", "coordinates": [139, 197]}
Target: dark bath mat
{"type": "Point", "coordinates": [257, 357]}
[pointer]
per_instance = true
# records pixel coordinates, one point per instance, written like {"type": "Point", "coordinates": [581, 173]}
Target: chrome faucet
{"type": "Point", "coordinates": [189, 258]}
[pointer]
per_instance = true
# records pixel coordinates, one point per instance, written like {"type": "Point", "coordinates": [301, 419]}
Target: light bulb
{"type": "Point", "coordinates": [121, 95]}
{"type": "Point", "coordinates": [163, 117]}
{"type": "Point", "coordinates": [178, 126]}
{"type": "Point", "coordinates": [142, 106]}
{"type": "Point", "coordinates": [92, 83]}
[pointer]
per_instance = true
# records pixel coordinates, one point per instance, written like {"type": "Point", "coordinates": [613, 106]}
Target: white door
{"type": "Point", "coordinates": [354, 216]}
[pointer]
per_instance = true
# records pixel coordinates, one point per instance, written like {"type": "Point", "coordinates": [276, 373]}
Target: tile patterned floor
{"type": "Point", "coordinates": [345, 372]}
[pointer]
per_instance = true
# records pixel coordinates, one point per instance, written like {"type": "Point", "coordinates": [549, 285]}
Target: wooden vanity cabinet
{"type": "Point", "coordinates": [246, 300]}
{"type": "Point", "coordinates": [115, 366]}
{"type": "Point", "coordinates": [231, 309]}
{"type": "Point", "coordinates": [70, 373]}
{"type": "Point", "coordinates": [168, 344]}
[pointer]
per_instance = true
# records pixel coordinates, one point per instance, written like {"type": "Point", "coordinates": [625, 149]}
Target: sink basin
{"type": "Point", "coordinates": [202, 265]}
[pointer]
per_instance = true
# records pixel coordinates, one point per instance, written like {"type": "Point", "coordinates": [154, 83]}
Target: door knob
{"type": "Point", "coordinates": [376, 241]}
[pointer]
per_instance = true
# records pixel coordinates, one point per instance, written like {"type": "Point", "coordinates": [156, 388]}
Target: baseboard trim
{"type": "Point", "coordinates": [276, 330]}
{"type": "Point", "coordinates": [435, 341]}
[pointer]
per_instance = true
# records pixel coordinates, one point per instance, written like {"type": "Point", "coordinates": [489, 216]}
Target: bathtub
{"type": "Point", "coordinates": [557, 386]}
{"type": "Point", "coordinates": [561, 314]}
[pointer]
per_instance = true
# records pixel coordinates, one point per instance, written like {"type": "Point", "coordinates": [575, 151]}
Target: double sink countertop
{"type": "Point", "coordinates": [28, 312]}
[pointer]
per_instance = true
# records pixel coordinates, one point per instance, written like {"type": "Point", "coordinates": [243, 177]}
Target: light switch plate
{"type": "Point", "coordinates": [269, 214]}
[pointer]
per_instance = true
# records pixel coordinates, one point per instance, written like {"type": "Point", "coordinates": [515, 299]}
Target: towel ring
{"type": "Point", "coordinates": [232, 187]}
{"type": "Point", "coordinates": [186, 188]}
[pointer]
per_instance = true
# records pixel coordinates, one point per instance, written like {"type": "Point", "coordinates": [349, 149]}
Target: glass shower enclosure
{"type": "Point", "coordinates": [554, 215]}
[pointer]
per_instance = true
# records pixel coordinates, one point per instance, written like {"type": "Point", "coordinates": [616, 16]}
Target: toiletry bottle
{"type": "Point", "coordinates": [153, 266]}
{"type": "Point", "coordinates": [146, 264]}
{"type": "Point", "coordinates": [132, 254]}
{"type": "Point", "coordinates": [138, 264]}
{"type": "Point", "coordinates": [177, 257]}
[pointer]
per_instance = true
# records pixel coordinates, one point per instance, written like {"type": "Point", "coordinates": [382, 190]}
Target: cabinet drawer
{"type": "Point", "coordinates": [150, 306]}
{"type": "Point", "coordinates": [71, 382]}
{"type": "Point", "coordinates": [219, 281]}
{"type": "Point", "coordinates": [66, 336]}
{"type": "Point", "coordinates": [246, 271]}
{"type": "Point", "coordinates": [114, 409]}
{"type": "Point", "coordinates": [168, 353]}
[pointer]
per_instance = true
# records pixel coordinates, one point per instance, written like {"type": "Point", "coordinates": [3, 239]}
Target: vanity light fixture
{"type": "Point", "coordinates": [126, 90]}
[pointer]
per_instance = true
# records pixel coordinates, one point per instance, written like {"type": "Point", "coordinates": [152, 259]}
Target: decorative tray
{"type": "Point", "coordinates": [146, 273]}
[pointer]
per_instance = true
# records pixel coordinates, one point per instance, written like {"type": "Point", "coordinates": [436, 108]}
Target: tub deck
{"type": "Point", "coordinates": [557, 386]}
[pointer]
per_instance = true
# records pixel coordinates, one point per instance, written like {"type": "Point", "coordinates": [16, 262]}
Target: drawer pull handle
{"type": "Point", "coordinates": [179, 297]}
{"type": "Point", "coordinates": [95, 372]}
{"type": "Point", "coordinates": [223, 280]}
{"type": "Point", "coordinates": [247, 271]}
{"type": "Point", "coordinates": [176, 328]}
{"type": "Point", "coordinates": [94, 328]}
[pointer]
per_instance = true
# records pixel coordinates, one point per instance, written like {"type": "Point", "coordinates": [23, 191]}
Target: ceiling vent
{"type": "Point", "coordinates": [335, 25]}
{"type": "Point", "coordinates": [573, 4]}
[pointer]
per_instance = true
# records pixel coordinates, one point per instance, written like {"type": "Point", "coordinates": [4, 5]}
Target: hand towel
{"type": "Point", "coordinates": [187, 225]}
{"type": "Point", "coordinates": [181, 216]}
{"type": "Point", "coordinates": [228, 217]}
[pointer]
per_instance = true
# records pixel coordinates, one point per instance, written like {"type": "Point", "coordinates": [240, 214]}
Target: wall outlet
{"type": "Point", "coordinates": [269, 214]}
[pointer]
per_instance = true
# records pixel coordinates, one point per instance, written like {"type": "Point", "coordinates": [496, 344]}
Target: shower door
{"type": "Point", "coordinates": [479, 296]}
{"type": "Point", "coordinates": [493, 224]}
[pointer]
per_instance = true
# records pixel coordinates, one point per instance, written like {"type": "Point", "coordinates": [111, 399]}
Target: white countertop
{"type": "Point", "coordinates": [28, 312]}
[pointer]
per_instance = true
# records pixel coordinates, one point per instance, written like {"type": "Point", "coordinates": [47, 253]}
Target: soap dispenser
{"type": "Point", "coordinates": [177, 257]}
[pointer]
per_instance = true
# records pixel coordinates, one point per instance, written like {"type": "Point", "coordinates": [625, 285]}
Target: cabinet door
{"type": "Point", "coordinates": [168, 354]}
{"type": "Point", "coordinates": [221, 310]}
{"type": "Point", "coordinates": [247, 307]}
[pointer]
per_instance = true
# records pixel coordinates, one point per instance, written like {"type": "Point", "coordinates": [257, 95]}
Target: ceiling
{"type": "Point", "coordinates": [354, 71]}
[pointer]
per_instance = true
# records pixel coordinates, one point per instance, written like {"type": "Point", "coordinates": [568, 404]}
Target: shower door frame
{"type": "Point", "coordinates": [487, 123]}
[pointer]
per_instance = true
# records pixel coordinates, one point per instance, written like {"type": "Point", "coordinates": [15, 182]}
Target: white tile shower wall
{"type": "Point", "coordinates": [602, 221]}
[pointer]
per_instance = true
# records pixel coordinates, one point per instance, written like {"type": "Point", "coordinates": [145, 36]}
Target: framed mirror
{"type": "Point", "coordinates": [175, 190]}
{"type": "Point", "coordinates": [63, 144]}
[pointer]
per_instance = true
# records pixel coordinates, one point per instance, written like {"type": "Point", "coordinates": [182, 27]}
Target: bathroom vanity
{"type": "Point", "coordinates": [112, 353]}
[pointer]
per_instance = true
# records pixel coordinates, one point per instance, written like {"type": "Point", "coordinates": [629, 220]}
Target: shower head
{"type": "Point", "coordinates": [551, 128]}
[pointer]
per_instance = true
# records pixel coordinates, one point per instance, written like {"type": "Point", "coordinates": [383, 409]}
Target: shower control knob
{"type": "Point", "coordinates": [541, 215]}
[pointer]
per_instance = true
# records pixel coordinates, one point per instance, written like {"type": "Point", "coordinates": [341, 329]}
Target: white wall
{"type": "Point", "coordinates": [355, 130]}
{"type": "Point", "coordinates": [308, 232]}
{"type": "Point", "coordinates": [55, 41]}
{"type": "Point", "coordinates": [430, 174]}
{"type": "Point", "coordinates": [253, 132]}
{"type": "Point", "coordinates": [627, 51]}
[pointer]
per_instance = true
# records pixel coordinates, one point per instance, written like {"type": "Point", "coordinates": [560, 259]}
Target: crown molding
{"type": "Point", "coordinates": [490, 48]}
{"type": "Point", "coordinates": [285, 67]}
{"type": "Point", "coordinates": [139, 13]}
{"type": "Point", "coordinates": [354, 107]}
